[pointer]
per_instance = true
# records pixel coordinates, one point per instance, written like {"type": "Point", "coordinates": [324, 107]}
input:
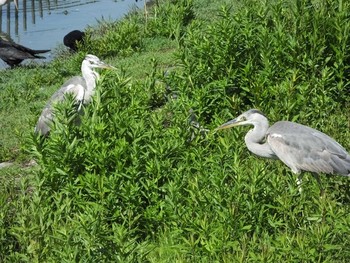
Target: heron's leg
{"type": "Point", "coordinates": [145, 8]}
{"type": "Point", "coordinates": [80, 104]}
{"type": "Point", "coordinates": [299, 182]}
{"type": "Point", "coordinates": [317, 177]}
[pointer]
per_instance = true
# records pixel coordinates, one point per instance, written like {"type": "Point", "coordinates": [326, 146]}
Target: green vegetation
{"type": "Point", "coordinates": [137, 182]}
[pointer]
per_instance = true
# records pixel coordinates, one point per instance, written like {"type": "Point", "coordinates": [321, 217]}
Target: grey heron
{"type": "Point", "coordinates": [82, 89]}
{"type": "Point", "coordinates": [299, 147]}
{"type": "Point", "coordinates": [2, 2]}
{"type": "Point", "coordinates": [13, 53]}
{"type": "Point", "coordinates": [72, 38]}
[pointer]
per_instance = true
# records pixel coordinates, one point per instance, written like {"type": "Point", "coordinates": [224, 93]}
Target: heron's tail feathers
{"type": "Point", "coordinates": [341, 165]}
{"type": "Point", "coordinates": [347, 165]}
{"type": "Point", "coordinates": [42, 126]}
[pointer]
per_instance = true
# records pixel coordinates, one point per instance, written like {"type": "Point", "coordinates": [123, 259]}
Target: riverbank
{"type": "Point", "coordinates": [145, 177]}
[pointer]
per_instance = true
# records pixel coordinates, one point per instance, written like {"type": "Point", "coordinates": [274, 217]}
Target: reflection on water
{"type": "Point", "coordinates": [42, 24]}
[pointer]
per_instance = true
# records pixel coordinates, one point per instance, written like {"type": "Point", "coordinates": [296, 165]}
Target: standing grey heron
{"type": "Point", "coordinates": [82, 88]}
{"type": "Point", "coordinates": [299, 147]}
{"type": "Point", "coordinates": [2, 2]}
{"type": "Point", "coordinates": [13, 53]}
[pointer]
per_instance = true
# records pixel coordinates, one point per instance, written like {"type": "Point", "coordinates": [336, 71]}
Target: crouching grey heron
{"type": "Point", "coordinates": [299, 147]}
{"type": "Point", "coordinates": [82, 88]}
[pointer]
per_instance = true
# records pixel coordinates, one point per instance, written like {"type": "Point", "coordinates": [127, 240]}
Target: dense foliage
{"type": "Point", "coordinates": [144, 177]}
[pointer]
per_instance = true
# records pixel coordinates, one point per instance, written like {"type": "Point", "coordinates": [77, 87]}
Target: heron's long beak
{"type": "Point", "coordinates": [106, 66]}
{"type": "Point", "coordinates": [229, 124]}
{"type": "Point", "coordinates": [16, 5]}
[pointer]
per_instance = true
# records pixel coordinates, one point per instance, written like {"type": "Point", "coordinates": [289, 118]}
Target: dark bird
{"type": "Point", "coordinates": [72, 39]}
{"type": "Point", "coordinates": [13, 53]}
{"type": "Point", "coordinates": [299, 147]}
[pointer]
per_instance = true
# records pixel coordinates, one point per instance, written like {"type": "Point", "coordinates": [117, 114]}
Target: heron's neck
{"type": "Point", "coordinates": [90, 77]}
{"type": "Point", "coordinates": [255, 140]}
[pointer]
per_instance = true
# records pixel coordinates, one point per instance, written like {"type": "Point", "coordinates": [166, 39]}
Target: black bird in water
{"type": "Point", "coordinates": [13, 53]}
{"type": "Point", "coordinates": [72, 39]}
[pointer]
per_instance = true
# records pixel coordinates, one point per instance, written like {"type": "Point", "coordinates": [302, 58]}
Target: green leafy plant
{"type": "Point", "coordinates": [140, 175]}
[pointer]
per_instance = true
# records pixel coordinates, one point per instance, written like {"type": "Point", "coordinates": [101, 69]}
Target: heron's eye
{"type": "Point", "coordinates": [243, 118]}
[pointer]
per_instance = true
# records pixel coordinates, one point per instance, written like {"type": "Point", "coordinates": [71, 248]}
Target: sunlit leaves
{"type": "Point", "coordinates": [145, 178]}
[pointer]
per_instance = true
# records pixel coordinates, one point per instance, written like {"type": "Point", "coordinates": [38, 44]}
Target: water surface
{"type": "Point", "coordinates": [42, 24]}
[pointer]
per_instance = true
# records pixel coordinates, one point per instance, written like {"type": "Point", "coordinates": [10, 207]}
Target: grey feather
{"type": "Point", "coordinates": [82, 89]}
{"type": "Point", "coordinates": [305, 149]}
{"type": "Point", "coordinates": [300, 147]}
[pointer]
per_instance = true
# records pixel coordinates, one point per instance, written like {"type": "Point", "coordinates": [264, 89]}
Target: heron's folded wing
{"type": "Point", "coordinates": [73, 85]}
{"type": "Point", "coordinates": [302, 152]}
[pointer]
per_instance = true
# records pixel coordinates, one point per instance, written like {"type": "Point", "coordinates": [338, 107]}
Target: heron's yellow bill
{"type": "Point", "coordinates": [106, 66]}
{"type": "Point", "coordinates": [229, 124]}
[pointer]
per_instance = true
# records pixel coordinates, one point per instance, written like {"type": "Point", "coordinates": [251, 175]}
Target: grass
{"type": "Point", "coordinates": [138, 182]}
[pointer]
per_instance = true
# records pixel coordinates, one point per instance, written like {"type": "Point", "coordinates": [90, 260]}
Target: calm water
{"type": "Point", "coordinates": [42, 24]}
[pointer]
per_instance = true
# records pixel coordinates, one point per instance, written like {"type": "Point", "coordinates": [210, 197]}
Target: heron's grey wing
{"type": "Point", "coordinates": [75, 86]}
{"type": "Point", "coordinates": [305, 149]}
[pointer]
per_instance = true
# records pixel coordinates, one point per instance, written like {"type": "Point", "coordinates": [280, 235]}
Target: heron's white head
{"type": "Point", "coordinates": [250, 117]}
{"type": "Point", "coordinates": [93, 61]}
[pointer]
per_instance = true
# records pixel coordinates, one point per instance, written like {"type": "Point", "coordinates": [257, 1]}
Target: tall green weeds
{"type": "Point", "coordinates": [267, 54]}
{"type": "Point", "coordinates": [144, 178]}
